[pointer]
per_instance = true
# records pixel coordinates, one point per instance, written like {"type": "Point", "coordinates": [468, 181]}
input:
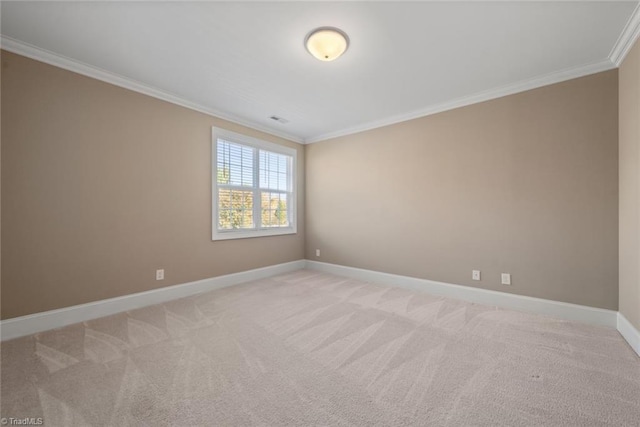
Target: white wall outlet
{"type": "Point", "coordinates": [317, 252]}
{"type": "Point", "coordinates": [159, 274]}
{"type": "Point", "coordinates": [475, 275]}
{"type": "Point", "coordinates": [506, 279]}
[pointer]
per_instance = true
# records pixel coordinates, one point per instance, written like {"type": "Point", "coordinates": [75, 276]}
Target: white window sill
{"type": "Point", "coordinates": [247, 234]}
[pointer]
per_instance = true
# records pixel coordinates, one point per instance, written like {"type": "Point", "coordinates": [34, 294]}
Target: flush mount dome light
{"type": "Point", "coordinates": [326, 43]}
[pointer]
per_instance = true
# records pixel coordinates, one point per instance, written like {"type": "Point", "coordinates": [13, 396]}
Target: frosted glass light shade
{"type": "Point", "coordinates": [327, 43]}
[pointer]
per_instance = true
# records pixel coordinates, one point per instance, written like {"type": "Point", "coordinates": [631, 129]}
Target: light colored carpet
{"type": "Point", "coordinates": [307, 348]}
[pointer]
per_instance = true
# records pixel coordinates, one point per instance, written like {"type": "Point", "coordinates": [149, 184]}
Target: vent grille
{"type": "Point", "coordinates": [279, 119]}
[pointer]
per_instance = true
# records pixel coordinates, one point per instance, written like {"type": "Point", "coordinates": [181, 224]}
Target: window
{"type": "Point", "coordinates": [253, 187]}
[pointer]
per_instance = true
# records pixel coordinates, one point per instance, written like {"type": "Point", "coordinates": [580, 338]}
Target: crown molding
{"type": "Point", "coordinates": [510, 89]}
{"type": "Point", "coordinates": [622, 47]}
{"type": "Point", "coordinates": [627, 38]}
{"type": "Point", "coordinates": [15, 46]}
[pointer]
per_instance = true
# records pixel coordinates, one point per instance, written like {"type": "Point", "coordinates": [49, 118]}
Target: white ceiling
{"type": "Point", "coordinates": [246, 61]}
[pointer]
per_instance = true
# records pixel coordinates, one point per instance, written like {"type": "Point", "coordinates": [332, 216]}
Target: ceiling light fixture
{"type": "Point", "coordinates": [326, 43]}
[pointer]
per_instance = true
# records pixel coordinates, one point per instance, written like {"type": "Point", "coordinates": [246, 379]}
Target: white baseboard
{"type": "Point", "coordinates": [39, 322]}
{"type": "Point", "coordinates": [575, 312]}
{"type": "Point", "coordinates": [629, 332]}
{"type": "Point", "coordinates": [34, 323]}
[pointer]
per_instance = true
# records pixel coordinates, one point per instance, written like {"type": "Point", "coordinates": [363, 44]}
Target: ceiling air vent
{"type": "Point", "coordinates": [279, 119]}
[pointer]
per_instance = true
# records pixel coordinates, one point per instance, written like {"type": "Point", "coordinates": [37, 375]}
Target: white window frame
{"type": "Point", "coordinates": [256, 144]}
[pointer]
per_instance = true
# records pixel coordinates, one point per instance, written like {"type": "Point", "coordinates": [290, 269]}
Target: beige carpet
{"type": "Point", "coordinates": [308, 348]}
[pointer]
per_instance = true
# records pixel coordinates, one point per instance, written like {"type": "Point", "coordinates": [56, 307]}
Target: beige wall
{"type": "Point", "coordinates": [101, 186]}
{"type": "Point", "coordinates": [526, 184]}
{"type": "Point", "coordinates": [630, 186]}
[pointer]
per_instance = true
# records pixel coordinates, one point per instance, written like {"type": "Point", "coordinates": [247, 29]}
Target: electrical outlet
{"type": "Point", "coordinates": [506, 279]}
{"type": "Point", "coordinates": [475, 275]}
{"type": "Point", "coordinates": [159, 274]}
{"type": "Point", "coordinates": [317, 252]}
